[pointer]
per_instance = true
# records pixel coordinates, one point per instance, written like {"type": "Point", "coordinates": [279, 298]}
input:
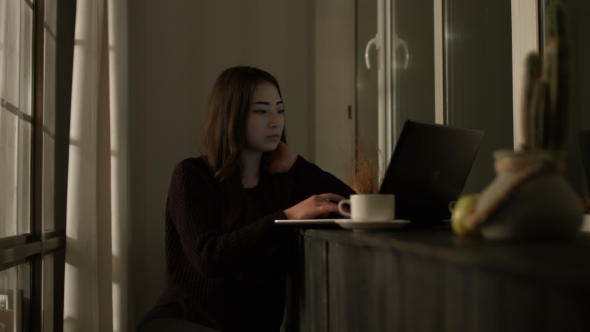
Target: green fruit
{"type": "Point", "coordinates": [460, 212]}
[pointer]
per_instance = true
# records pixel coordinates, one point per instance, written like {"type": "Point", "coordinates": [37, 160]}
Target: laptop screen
{"type": "Point", "coordinates": [428, 169]}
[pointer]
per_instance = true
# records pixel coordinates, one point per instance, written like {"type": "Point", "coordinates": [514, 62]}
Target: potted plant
{"type": "Point", "coordinates": [529, 198]}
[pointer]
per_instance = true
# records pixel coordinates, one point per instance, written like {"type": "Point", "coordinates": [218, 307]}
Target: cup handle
{"type": "Point", "coordinates": [452, 206]}
{"type": "Point", "coordinates": [342, 202]}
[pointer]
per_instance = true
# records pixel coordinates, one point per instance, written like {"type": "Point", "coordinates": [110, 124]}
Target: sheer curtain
{"type": "Point", "coordinates": [95, 296]}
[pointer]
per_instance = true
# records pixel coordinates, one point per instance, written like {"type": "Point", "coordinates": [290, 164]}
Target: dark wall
{"type": "Point", "coordinates": [176, 51]}
{"type": "Point", "coordinates": [579, 23]}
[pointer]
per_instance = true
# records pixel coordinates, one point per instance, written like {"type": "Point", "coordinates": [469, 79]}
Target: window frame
{"type": "Point", "coordinates": [33, 247]}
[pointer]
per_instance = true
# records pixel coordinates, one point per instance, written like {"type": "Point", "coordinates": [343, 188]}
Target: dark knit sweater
{"type": "Point", "coordinates": [232, 280]}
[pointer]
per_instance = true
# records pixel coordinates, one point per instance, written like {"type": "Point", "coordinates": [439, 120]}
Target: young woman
{"type": "Point", "coordinates": [226, 259]}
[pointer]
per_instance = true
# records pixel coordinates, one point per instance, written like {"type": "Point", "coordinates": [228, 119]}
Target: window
{"type": "Point", "coordinates": [32, 226]}
{"type": "Point", "coordinates": [16, 86]}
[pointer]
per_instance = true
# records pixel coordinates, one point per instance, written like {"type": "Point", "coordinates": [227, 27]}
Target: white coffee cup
{"type": "Point", "coordinates": [369, 207]}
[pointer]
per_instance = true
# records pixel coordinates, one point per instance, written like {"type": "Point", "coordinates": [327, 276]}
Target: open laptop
{"type": "Point", "coordinates": [426, 172]}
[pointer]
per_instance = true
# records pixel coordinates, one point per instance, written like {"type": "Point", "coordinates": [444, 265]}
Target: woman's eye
{"type": "Point", "coordinates": [281, 111]}
{"type": "Point", "coordinates": [259, 111]}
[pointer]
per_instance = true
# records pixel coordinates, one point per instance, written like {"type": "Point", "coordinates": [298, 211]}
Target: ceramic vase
{"type": "Point", "coordinates": [529, 198]}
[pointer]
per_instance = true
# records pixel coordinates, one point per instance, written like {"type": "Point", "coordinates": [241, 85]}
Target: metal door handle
{"type": "Point", "coordinates": [373, 41]}
{"type": "Point", "coordinates": [400, 42]}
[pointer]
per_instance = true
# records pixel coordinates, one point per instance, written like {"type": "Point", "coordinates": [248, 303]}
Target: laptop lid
{"type": "Point", "coordinates": [428, 169]}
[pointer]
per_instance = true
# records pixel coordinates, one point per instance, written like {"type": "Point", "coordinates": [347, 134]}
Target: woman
{"type": "Point", "coordinates": [226, 259]}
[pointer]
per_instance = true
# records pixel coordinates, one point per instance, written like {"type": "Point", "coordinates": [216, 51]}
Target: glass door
{"type": "Point", "coordinates": [412, 62]}
{"type": "Point", "coordinates": [478, 77]}
{"type": "Point", "coordinates": [368, 74]}
{"type": "Point", "coordinates": [395, 74]}
{"type": "Point", "coordinates": [444, 61]}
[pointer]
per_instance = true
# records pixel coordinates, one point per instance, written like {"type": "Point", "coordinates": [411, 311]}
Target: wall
{"type": "Point", "coordinates": [578, 13]}
{"type": "Point", "coordinates": [176, 50]}
{"type": "Point", "coordinates": [334, 87]}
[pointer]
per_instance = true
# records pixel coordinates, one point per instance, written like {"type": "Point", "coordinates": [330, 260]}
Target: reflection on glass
{"type": "Point", "coordinates": [413, 62]}
{"type": "Point", "coordinates": [367, 96]}
{"type": "Point", "coordinates": [478, 71]}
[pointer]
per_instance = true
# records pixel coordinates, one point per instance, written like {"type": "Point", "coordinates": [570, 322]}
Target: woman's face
{"type": "Point", "coordinates": [266, 119]}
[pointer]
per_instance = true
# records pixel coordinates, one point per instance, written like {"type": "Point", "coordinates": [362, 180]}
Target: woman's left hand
{"type": "Point", "coordinates": [280, 160]}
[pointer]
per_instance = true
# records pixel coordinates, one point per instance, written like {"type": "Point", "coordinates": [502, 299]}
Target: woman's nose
{"type": "Point", "coordinates": [273, 119]}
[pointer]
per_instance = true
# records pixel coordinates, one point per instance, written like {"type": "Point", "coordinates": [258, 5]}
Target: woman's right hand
{"type": "Point", "coordinates": [315, 206]}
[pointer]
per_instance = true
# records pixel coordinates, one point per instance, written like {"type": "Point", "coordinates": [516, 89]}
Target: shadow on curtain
{"type": "Point", "coordinates": [95, 296]}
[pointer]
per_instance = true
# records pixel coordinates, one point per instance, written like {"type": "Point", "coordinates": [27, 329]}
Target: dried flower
{"type": "Point", "coordinates": [362, 171]}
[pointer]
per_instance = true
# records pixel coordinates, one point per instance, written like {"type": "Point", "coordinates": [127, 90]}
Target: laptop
{"type": "Point", "coordinates": [426, 172]}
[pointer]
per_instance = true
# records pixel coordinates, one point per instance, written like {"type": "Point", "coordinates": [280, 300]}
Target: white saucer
{"type": "Point", "coordinates": [368, 225]}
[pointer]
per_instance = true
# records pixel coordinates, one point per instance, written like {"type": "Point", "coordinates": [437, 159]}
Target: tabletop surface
{"type": "Point", "coordinates": [564, 261]}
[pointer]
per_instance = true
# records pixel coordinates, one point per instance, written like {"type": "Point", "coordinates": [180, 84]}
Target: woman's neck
{"type": "Point", "coordinates": [251, 168]}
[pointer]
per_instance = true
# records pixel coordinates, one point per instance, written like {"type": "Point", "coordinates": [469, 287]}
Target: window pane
{"type": "Point", "coordinates": [16, 26]}
{"type": "Point", "coordinates": [53, 295]}
{"type": "Point", "coordinates": [26, 44]}
{"type": "Point", "coordinates": [24, 178]}
{"type": "Point", "coordinates": [49, 84]}
{"type": "Point", "coordinates": [3, 33]}
{"type": "Point", "coordinates": [15, 174]}
{"type": "Point", "coordinates": [478, 59]}
{"type": "Point", "coordinates": [11, 52]}
{"type": "Point", "coordinates": [367, 89]}
{"type": "Point", "coordinates": [8, 174]}
{"type": "Point", "coordinates": [412, 53]}
{"type": "Point", "coordinates": [15, 298]}
{"type": "Point", "coordinates": [48, 182]}
{"type": "Point", "coordinates": [48, 292]}
{"type": "Point", "coordinates": [49, 115]}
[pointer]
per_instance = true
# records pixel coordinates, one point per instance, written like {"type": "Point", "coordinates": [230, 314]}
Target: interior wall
{"type": "Point", "coordinates": [334, 87]}
{"type": "Point", "coordinates": [578, 12]}
{"type": "Point", "coordinates": [176, 50]}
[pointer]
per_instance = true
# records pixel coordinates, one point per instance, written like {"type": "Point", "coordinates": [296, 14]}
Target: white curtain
{"type": "Point", "coordinates": [97, 208]}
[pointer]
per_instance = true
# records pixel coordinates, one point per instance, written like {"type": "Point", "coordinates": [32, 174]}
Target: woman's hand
{"type": "Point", "coordinates": [315, 206]}
{"type": "Point", "coordinates": [280, 160]}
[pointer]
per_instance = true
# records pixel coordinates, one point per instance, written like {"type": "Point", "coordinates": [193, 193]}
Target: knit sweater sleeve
{"type": "Point", "coordinates": [195, 207]}
{"type": "Point", "coordinates": [312, 180]}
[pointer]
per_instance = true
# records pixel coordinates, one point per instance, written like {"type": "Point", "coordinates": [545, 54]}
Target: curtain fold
{"type": "Point", "coordinates": [95, 297]}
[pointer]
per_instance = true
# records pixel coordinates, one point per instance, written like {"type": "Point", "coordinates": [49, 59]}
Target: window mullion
{"type": "Point", "coordinates": [37, 211]}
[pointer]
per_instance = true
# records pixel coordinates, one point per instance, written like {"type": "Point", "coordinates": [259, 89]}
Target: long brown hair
{"type": "Point", "coordinates": [224, 127]}
{"type": "Point", "coordinates": [223, 133]}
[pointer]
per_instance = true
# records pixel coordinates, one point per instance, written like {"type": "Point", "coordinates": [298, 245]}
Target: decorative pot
{"type": "Point", "coordinates": [528, 199]}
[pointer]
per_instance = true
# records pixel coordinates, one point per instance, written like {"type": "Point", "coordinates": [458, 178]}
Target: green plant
{"type": "Point", "coordinates": [546, 95]}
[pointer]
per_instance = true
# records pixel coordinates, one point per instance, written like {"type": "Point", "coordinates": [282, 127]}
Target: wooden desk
{"type": "Point", "coordinates": [432, 280]}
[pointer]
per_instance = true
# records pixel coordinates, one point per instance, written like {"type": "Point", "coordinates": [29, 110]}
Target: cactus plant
{"type": "Point", "coordinates": [546, 95]}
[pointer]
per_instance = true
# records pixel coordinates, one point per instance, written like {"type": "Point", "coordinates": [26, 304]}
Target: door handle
{"type": "Point", "coordinates": [373, 41]}
{"type": "Point", "coordinates": [400, 42]}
